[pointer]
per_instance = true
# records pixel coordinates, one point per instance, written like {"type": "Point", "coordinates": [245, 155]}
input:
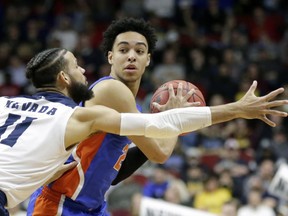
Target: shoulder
{"type": "Point", "coordinates": [112, 88]}
{"type": "Point", "coordinates": [114, 94]}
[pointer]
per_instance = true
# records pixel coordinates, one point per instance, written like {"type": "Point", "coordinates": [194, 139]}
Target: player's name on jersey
{"type": "Point", "coordinates": [31, 107]}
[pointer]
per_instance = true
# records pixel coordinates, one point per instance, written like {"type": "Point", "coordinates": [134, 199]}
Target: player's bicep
{"type": "Point", "coordinates": [86, 121]}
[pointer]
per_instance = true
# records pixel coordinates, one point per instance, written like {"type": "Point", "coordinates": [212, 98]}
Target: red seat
{"type": "Point", "coordinates": [210, 160]}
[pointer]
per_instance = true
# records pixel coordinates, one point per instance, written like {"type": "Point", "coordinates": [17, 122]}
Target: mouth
{"type": "Point", "coordinates": [131, 68]}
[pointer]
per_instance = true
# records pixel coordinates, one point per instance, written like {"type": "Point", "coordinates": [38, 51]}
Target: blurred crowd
{"type": "Point", "coordinates": [219, 45]}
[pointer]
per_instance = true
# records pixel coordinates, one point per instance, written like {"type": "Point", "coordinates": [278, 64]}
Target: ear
{"type": "Point", "coordinates": [63, 78]}
{"type": "Point", "coordinates": [148, 59]}
{"type": "Point", "coordinates": [110, 57]}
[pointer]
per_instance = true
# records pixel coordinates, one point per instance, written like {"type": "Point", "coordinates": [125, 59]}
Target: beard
{"type": "Point", "coordinates": [79, 92]}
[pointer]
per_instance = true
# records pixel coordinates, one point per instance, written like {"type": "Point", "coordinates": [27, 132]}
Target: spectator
{"type": "Point", "coordinates": [255, 206]}
{"type": "Point", "coordinates": [261, 181]}
{"type": "Point", "coordinates": [8, 88]}
{"type": "Point", "coordinates": [197, 69]}
{"type": "Point", "coordinates": [17, 69]}
{"type": "Point", "coordinates": [230, 160]}
{"type": "Point", "coordinates": [161, 8]}
{"type": "Point", "coordinates": [263, 24]}
{"type": "Point", "coordinates": [279, 144]}
{"type": "Point", "coordinates": [120, 197]}
{"type": "Point", "coordinates": [194, 180]}
{"type": "Point", "coordinates": [169, 69]}
{"type": "Point", "coordinates": [230, 208]}
{"type": "Point", "coordinates": [213, 197]}
{"type": "Point", "coordinates": [226, 181]}
{"type": "Point", "coordinates": [213, 20]}
{"type": "Point", "coordinates": [65, 34]}
{"type": "Point", "coordinates": [177, 192]}
{"type": "Point", "coordinates": [265, 151]}
{"type": "Point", "coordinates": [157, 184]}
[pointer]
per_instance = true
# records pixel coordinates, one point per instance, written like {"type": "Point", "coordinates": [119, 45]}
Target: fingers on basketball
{"type": "Point", "coordinates": [161, 95]}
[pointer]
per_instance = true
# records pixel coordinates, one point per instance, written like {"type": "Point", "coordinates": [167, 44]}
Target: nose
{"type": "Point", "coordinates": [131, 57]}
{"type": "Point", "coordinates": [82, 70]}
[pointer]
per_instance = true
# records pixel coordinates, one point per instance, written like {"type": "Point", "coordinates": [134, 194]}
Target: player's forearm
{"type": "Point", "coordinates": [223, 113]}
{"type": "Point", "coordinates": [166, 124]}
{"type": "Point", "coordinates": [156, 150]}
{"type": "Point", "coordinates": [173, 122]}
{"type": "Point", "coordinates": [165, 149]}
{"type": "Point", "coordinates": [167, 145]}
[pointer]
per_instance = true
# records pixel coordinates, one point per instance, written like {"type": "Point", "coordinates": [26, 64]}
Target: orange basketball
{"type": "Point", "coordinates": [161, 95]}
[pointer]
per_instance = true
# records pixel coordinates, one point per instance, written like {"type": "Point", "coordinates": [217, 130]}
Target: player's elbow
{"type": "Point", "coordinates": [160, 158]}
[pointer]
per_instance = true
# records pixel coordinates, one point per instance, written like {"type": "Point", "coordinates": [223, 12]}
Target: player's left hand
{"type": "Point", "coordinates": [253, 107]}
{"type": "Point", "coordinates": [177, 100]}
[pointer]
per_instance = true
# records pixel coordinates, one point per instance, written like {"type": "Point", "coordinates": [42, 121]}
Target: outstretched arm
{"type": "Point", "coordinates": [173, 122]}
{"type": "Point", "coordinates": [250, 107]}
{"type": "Point", "coordinates": [182, 120]}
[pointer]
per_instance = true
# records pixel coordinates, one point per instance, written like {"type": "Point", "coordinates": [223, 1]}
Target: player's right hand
{"type": "Point", "coordinates": [177, 100]}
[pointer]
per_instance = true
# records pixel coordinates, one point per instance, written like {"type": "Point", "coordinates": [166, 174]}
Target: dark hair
{"type": "Point", "coordinates": [43, 68]}
{"type": "Point", "coordinates": [128, 24]}
{"type": "Point", "coordinates": [211, 176]}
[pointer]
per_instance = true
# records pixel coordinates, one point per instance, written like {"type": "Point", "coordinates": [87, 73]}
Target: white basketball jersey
{"type": "Point", "coordinates": [32, 146]}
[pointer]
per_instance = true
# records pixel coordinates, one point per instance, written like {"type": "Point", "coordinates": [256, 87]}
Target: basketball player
{"type": "Point", "coordinates": [37, 133]}
{"type": "Point", "coordinates": [135, 39]}
{"type": "Point", "coordinates": [128, 44]}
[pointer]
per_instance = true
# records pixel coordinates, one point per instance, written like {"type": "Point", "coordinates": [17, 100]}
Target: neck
{"type": "Point", "coordinates": [132, 85]}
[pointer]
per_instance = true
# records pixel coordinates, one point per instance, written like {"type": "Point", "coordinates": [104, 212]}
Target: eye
{"type": "Point", "coordinates": [140, 51]}
{"type": "Point", "coordinates": [123, 50]}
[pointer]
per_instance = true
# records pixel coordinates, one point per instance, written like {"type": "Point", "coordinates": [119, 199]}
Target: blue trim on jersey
{"type": "Point", "coordinates": [55, 97]}
{"type": "Point", "coordinates": [3, 198]}
{"type": "Point", "coordinates": [50, 96]}
{"type": "Point", "coordinates": [101, 79]}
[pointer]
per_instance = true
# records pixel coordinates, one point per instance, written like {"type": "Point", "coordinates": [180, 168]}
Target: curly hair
{"type": "Point", "coordinates": [128, 24]}
{"type": "Point", "coordinates": [43, 68]}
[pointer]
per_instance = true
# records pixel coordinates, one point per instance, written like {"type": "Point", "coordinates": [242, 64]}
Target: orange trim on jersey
{"type": "Point", "coordinates": [67, 183]}
{"type": "Point", "coordinates": [88, 149]}
{"type": "Point", "coordinates": [48, 201]}
{"type": "Point", "coordinates": [122, 157]}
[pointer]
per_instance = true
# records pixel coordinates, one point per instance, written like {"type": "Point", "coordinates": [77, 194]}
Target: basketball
{"type": "Point", "coordinates": [161, 95]}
